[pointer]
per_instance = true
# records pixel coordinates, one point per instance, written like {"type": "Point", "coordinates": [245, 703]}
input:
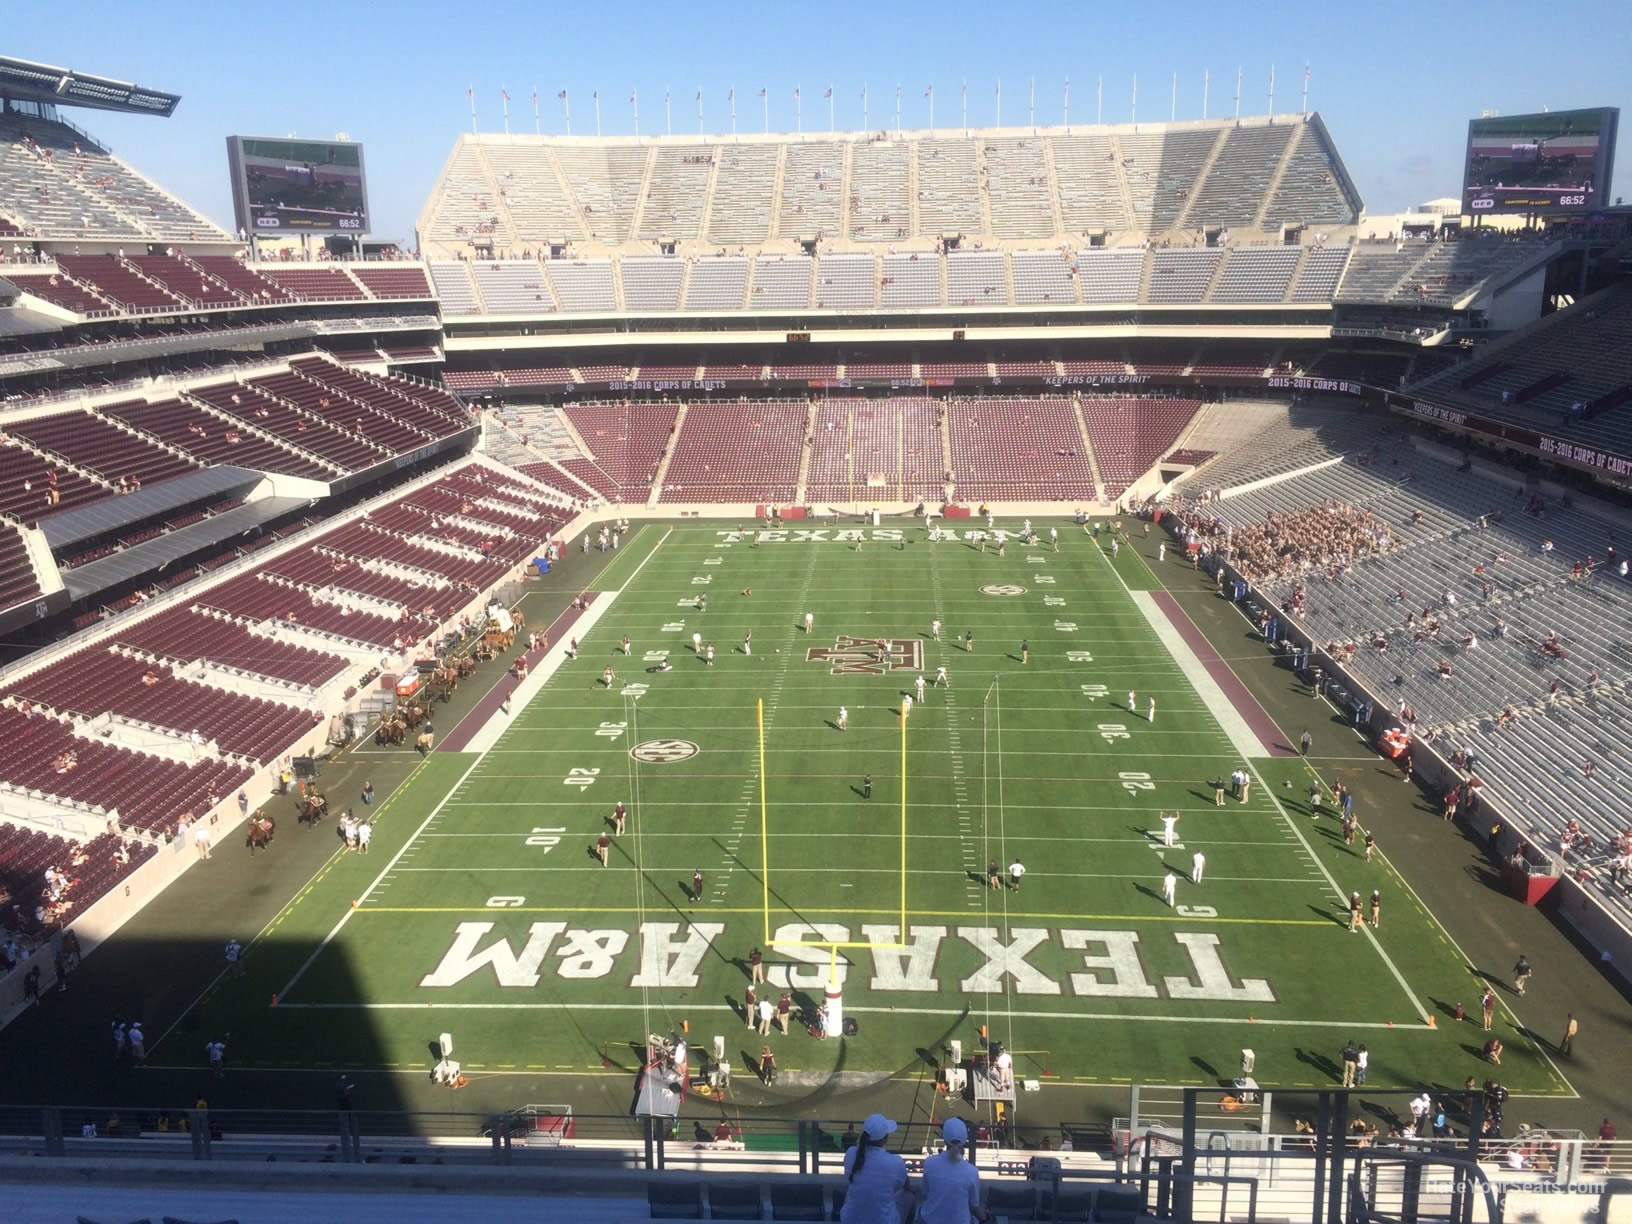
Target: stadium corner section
{"type": "Point", "coordinates": [490, 717]}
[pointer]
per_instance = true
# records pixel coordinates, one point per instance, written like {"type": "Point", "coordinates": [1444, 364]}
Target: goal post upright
{"type": "Point", "coordinates": [904, 708]}
{"type": "Point", "coordinates": [764, 827]}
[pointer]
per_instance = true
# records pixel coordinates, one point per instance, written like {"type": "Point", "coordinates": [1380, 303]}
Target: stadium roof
{"type": "Point", "coordinates": [26, 81]}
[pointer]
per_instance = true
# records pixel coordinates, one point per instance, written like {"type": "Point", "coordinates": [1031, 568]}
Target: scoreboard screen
{"type": "Point", "coordinates": [1556, 162]}
{"type": "Point", "coordinates": [298, 186]}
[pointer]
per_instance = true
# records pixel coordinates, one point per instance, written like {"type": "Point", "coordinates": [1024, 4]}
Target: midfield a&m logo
{"type": "Point", "coordinates": [853, 656]}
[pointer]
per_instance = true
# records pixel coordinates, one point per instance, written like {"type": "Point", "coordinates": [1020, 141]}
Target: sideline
{"type": "Point", "coordinates": [488, 733]}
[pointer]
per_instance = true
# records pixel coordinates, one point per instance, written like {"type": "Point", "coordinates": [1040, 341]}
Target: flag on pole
{"type": "Point", "coordinates": [796, 91]}
{"type": "Point", "coordinates": [562, 95]}
{"type": "Point", "coordinates": [829, 92]}
{"type": "Point", "coordinates": [535, 97]}
{"type": "Point", "coordinates": [699, 95]}
{"type": "Point", "coordinates": [929, 92]}
{"type": "Point", "coordinates": [762, 93]}
{"type": "Point", "coordinates": [471, 93]}
{"type": "Point", "coordinates": [731, 94]}
{"type": "Point", "coordinates": [505, 94]}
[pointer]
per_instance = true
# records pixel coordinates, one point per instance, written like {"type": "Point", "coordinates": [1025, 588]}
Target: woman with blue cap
{"type": "Point", "coordinates": [951, 1188]}
{"type": "Point", "coordinates": [875, 1177]}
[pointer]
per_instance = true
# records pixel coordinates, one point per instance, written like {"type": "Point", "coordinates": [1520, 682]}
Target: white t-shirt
{"type": "Point", "coordinates": [1016, 870]}
{"type": "Point", "coordinates": [870, 1197]}
{"type": "Point", "coordinates": [951, 1188]}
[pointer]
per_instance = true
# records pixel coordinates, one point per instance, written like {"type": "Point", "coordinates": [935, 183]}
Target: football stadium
{"type": "Point", "coordinates": [1070, 657]}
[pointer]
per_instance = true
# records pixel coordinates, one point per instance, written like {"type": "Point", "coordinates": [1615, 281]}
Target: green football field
{"type": "Point", "coordinates": [483, 910]}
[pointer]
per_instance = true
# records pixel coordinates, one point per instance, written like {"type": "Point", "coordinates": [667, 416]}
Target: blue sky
{"type": "Point", "coordinates": [1396, 83]}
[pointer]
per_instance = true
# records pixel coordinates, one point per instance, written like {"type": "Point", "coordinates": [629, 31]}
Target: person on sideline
{"type": "Point", "coordinates": [875, 1177]}
{"type": "Point", "coordinates": [950, 1192]}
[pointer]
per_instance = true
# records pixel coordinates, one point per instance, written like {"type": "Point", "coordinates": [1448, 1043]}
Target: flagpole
{"type": "Point", "coordinates": [566, 103]}
{"type": "Point", "coordinates": [1206, 84]}
{"type": "Point", "coordinates": [668, 115]}
{"type": "Point", "coordinates": [864, 106]}
{"type": "Point", "coordinates": [1272, 90]}
{"type": "Point", "coordinates": [964, 95]}
{"type": "Point", "coordinates": [999, 101]}
{"type": "Point", "coordinates": [1099, 99]}
{"type": "Point", "coordinates": [1306, 89]}
{"type": "Point", "coordinates": [634, 101]}
{"type": "Point", "coordinates": [765, 101]}
{"type": "Point", "coordinates": [699, 110]}
{"type": "Point", "coordinates": [537, 130]}
{"type": "Point", "coordinates": [597, 96]}
{"type": "Point", "coordinates": [1174, 115]}
{"type": "Point", "coordinates": [504, 105]}
{"type": "Point", "coordinates": [798, 110]}
{"type": "Point", "coordinates": [1134, 114]}
{"type": "Point", "coordinates": [1031, 105]}
{"type": "Point", "coordinates": [832, 126]}
{"type": "Point", "coordinates": [1067, 111]}
{"type": "Point", "coordinates": [931, 92]}
{"type": "Point", "coordinates": [732, 98]}
{"type": "Point", "coordinates": [471, 94]}
{"type": "Point", "coordinates": [1238, 93]}
{"type": "Point", "coordinates": [898, 108]}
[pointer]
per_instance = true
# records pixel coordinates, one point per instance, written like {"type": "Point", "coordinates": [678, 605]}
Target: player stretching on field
{"type": "Point", "coordinates": [844, 719]}
{"type": "Point", "coordinates": [935, 629]}
{"type": "Point", "coordinates": [920, 682]}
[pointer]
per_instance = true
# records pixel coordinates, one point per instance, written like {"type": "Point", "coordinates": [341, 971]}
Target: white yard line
{"type": "Point", "coordinates": [396, 858]}
{"type": "Point", "coordinates": [495, 727]}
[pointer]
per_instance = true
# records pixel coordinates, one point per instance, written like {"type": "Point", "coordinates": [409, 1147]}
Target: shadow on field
{"type": "Point", "coordinates": [180, 992]}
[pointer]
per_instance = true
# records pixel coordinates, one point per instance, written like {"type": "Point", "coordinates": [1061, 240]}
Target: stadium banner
{"type": "Point", "coordinates": [1607, 462]}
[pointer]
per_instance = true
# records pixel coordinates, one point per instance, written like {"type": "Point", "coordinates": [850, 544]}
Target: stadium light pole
{"type": "Point", "coordinates": [1306, 89]}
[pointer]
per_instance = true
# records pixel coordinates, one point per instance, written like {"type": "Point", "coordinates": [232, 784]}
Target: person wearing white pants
{"type": "Point", "coordinates": [1170, 889]}
{"type": "Point", "coordinates": [1198, 864]}
{"type": "Point", "coordinates": [1169, 823]}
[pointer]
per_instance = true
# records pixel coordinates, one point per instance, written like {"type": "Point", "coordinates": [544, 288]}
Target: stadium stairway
{"type": "Point", "coordinates": [807, 454]}
{"type": "Point", "coordinates": [1199, 186]}
{"type": "Point", "coordinates": [1088, 447]}
{"type": "Point", "coordinates": [1268, 196]}
{"type": "Point", "coordinates": [662, 473]}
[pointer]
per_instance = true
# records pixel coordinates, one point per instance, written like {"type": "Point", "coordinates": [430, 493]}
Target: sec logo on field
{"type": "Point", "coordinates": [1002, 588]}
{"type": "Point", "coordinates": [664, 751]}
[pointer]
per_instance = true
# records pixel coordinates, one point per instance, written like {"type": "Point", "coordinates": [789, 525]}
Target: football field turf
{"type": "Point", "coordinates": [484, 912]}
